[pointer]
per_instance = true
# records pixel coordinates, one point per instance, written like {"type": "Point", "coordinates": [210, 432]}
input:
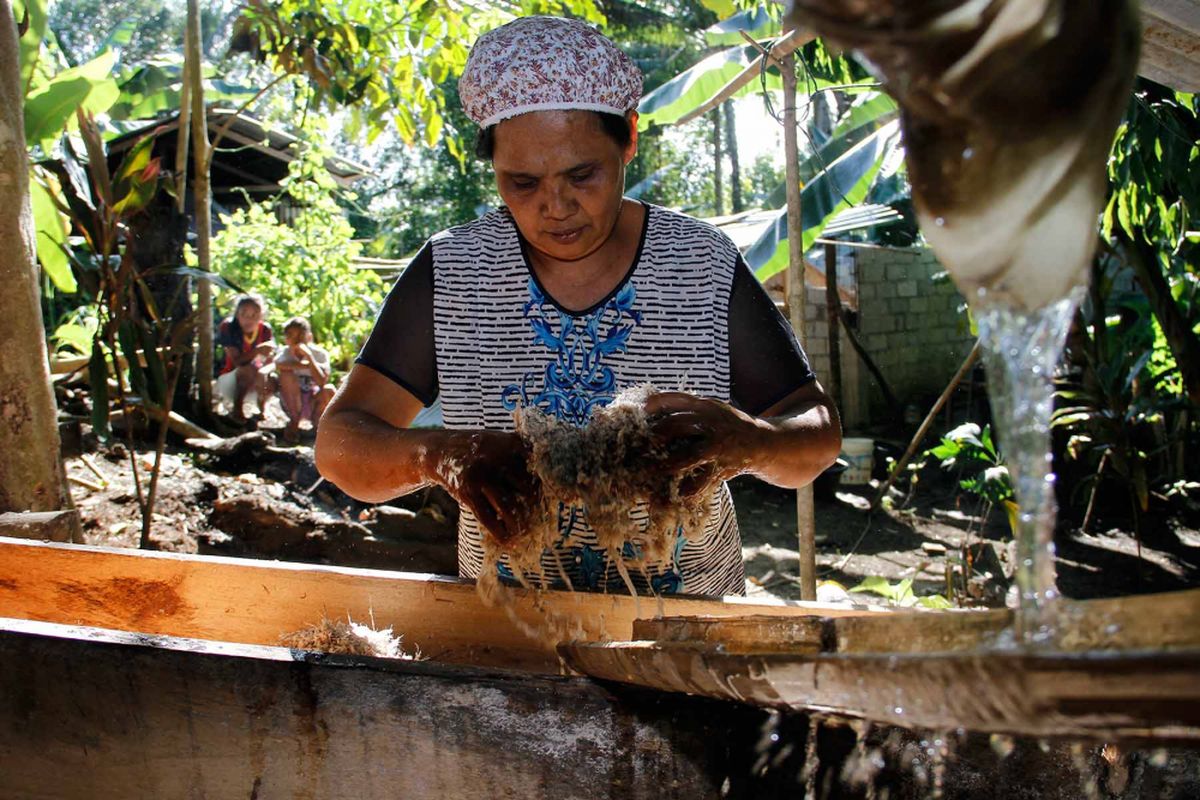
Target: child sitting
{"type": "Point", "coordinates": [303, 374]}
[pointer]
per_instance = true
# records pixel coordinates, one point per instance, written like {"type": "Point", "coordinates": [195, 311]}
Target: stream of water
{"type": "Point", "coordinates": [1021, 351]}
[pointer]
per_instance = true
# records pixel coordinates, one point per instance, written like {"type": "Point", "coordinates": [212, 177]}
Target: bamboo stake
{"type": "Point", "coordinates": [805, 513]}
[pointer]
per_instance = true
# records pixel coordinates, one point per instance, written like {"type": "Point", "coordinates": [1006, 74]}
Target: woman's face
{"type": "Point", "coordinates": [248, 316]}
{"type": "Point", "coordinates": [562, 178]}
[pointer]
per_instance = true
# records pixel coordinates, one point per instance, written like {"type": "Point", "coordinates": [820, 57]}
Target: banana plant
{"type": "Point", "coordinates": [53, 94]}
{"type": "Point", "coordinates": [842, 183]}
{"type": "Point", "coordinates": [840, 170]}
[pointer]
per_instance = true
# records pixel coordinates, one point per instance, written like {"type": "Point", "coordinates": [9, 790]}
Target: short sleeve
{"type": "Point", "coordinates": [766, 362]}
{"type": "Point", "coordinates": [401, 345]}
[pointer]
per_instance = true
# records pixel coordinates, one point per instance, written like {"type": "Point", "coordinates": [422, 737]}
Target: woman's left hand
{"type": "Point", "coordinates": [703, 439]}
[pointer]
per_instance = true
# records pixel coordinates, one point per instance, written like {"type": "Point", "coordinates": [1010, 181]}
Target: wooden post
{"type": "Point", "coordinates": [201, 162]}
{"type": "Point", "coordinates": [31, 471]}
{"type": "Point", "coordinates": [833, 306]}
{"type": "Point", "coordinates": [805, 518]}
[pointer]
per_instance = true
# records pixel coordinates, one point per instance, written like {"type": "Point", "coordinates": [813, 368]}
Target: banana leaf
{"type": "Point", "coordinates": [692, 88]}
{"type": "Point", "coordinates": [50, 108]}
{"type": "Point", "coordinates": [52, 230]}
{"type": "Point", "coordinates": [758, 22]}
{"type": "Point", "coordinates": [841, 185]}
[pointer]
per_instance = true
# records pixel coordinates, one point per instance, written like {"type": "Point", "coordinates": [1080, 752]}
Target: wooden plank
{"type": "Point", "coordinates": [1167, 621]}
{"type": "Point", "coordinates": [256, 602]}
{"type": "Point", "coordinates": [1122, 666]}
{"type": "Point", "coordinates": [54, 526]}
{"type": "Point", "coordinates": [918, 632]}
{"type": "Point", "coordinates": [749, 634]}
{"type": "Point", "coordinates": [1135, 694]}
{"type": "Point", "coordinates": [93, 713]}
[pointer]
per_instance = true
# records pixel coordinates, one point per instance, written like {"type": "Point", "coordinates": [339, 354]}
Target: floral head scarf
{"type": "Point", "coordinates": [545, 64]}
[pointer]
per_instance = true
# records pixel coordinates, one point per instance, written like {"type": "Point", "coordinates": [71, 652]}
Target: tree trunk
{"type": "Point", "coordinates": [735, 170]}
{"type": "Point", "coordinates": [202, 196]}
{"type": "Point", "coordinates": [805, 512]}
{"type": "Point", "coordinates": [718, 183]}
{"type": "Point", "coordinates": [31, 471]}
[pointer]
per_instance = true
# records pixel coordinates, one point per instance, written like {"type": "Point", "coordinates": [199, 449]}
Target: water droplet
{"type": "Point", "coordinates": [1001, 744]}
{"type": "Point", "coordinates": [940, 222]}
{"type": "Point", "coordinates": [774, 737]}
{"type": "Point", "coordinates": [968, 153]}
{"type": "Point", "coordinates": [898, 709]}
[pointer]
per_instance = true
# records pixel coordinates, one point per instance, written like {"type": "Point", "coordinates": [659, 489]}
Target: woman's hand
{"type": "Point", "coordinates": [488, 472]}
{"type": "Point", "coordinates": [703, 439]}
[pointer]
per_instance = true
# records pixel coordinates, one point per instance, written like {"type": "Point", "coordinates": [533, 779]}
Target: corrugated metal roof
{"type": "Point", "coordinates": [1171, 43]}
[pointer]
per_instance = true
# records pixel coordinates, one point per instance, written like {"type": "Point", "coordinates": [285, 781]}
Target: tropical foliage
{"type": "Point", "coordinates": [383, 61]}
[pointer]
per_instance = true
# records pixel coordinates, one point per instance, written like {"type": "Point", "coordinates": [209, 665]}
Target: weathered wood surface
{"type": "Point", "coordinates": [88, 713]}
{"type": "Point", "coordinates": [1126, 667]}
{"type": "Point", "coordinates": [256, 602]}
{"type": "Point", "coordinates": [1138, 694]}
{"type": "Point", "coordinates": [1171, 43]}
{"type": "Point", "coordinates": [54, 526]}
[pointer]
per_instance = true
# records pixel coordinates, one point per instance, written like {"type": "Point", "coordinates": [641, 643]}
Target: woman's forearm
{"type": "Point", "coordinates": [792, 449]}
{"type": "Point", "coordinates": [373, 461]}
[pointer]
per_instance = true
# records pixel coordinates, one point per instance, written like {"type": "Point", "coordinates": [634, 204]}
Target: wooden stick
{"type": "Point", "coordinates": [832, 308]}
{"type": "Point", "coordinates": [87, 462]}
{"type": "Point", "coordinates": [95, 487]}
{"type": "Point", "coordinates": [967, 364]}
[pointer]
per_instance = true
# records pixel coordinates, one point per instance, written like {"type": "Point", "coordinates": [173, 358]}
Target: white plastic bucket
{"type": "Point", "coordinates": [860, 455]}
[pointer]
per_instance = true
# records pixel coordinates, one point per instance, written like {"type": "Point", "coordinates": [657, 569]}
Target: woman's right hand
{"type": "Point", "coordinates": [488, 473]}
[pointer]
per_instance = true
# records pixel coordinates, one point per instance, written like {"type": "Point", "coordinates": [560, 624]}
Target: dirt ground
{"type": "Point", "coordinates": [921, 538]}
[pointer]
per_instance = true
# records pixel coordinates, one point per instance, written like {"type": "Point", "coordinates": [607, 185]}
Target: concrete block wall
{"type": "Point", "coordinates": [912, 328]}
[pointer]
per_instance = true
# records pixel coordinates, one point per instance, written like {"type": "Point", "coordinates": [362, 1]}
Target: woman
{"type": "Point", "coordinates": [249, 346]}
{"type": "Point", "coordinates": [559, 300]}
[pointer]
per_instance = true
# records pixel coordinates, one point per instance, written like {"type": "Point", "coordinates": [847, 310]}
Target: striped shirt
{"type": "Point", "coordinates": [501, 341]}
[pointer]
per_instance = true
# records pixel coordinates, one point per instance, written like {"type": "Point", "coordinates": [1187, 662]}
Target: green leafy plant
{"type": "Point", "coordinates": [971, 450]}
{"type": "Point", "coordinates": [1120, 402]}
{"type": "Point", "coordinates": [303, 267]}
{"type": "Point", "coordinates": [900, 593]}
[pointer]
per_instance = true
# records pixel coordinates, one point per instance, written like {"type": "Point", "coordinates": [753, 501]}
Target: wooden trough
{"type": "Point", "coordinates": [160, 675]}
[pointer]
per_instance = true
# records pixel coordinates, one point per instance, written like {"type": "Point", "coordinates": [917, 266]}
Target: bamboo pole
{"type": "Point", "coordinates": [805, 515]}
